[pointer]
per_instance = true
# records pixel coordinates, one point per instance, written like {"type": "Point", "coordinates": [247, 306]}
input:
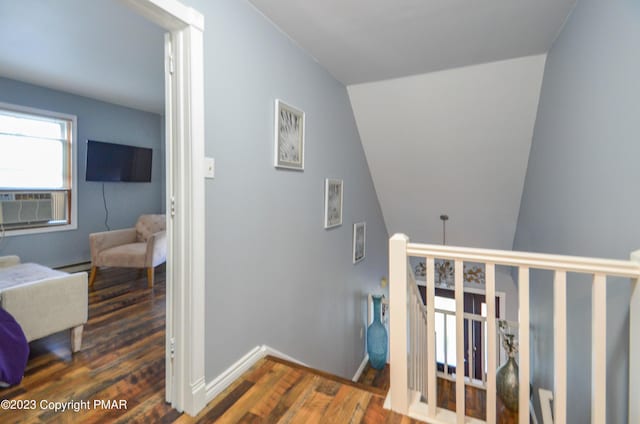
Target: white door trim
{"type": "Point", "coordinates": [184, 114]}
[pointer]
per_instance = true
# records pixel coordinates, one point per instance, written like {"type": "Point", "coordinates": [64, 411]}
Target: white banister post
{"type": "Point", "coordinates": [560, 346]}
{"type": "Point", "coordinates": [459, 298]}
{"type": "Point", "coordinates": [399, 390]}
{"type": "Point", "coordinates": [599, 350]}
{"type": "Point", "coordinates": [490, 273]}
{"type": "Point", "coordinates": [523, 318]}
{"type": "Point", "coordinates": [634, 347]}
{"type": "Point", "coordinates": [432, 396]}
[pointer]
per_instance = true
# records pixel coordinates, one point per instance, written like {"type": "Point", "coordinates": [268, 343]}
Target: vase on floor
{"type": "Point", "coordinates": [507, 384]}
{"type": "Point", "coordinates": [377, 337]}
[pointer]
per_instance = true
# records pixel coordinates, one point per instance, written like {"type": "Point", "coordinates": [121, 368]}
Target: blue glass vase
{"type": "Point", "coordinates": [377, 338]}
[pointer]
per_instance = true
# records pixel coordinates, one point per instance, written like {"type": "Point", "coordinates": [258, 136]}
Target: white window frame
{"type": "Point", "coordinates": [73, 213]}
{"type": "Point", "coordinates": [503, 308]}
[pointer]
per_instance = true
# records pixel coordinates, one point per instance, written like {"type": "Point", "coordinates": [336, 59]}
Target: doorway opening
{"type": "Point", "coordinates": [184, 134]}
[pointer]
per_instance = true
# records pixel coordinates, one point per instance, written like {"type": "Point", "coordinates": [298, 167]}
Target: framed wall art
{"type": "Point", "coordinates": [289, 137]}
{"type": "Point", "coordinates": [332, 203]}
{"type": "Point", "coordinates": [359, 241]}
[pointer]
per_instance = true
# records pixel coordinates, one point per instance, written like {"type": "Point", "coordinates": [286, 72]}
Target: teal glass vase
{"type": "Point", "coordinates": [377, 338]}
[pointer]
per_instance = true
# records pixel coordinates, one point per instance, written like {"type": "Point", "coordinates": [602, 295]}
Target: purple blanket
{"type": "Point", "coordinates": [14, 350]}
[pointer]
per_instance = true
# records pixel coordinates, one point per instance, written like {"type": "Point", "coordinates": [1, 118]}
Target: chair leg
{"type": "Point", "coordinates": [92, 275]}
{"type": "Point", "coordinates": [76, 338]}
{"type": "Point", "coordinates": [150, 276]}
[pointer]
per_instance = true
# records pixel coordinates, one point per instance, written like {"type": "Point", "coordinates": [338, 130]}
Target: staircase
{"type": "Point", "coordinates": [414, 388]}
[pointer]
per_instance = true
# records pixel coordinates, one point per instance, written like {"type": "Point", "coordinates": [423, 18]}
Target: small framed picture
{"type": "Point", "coordinates": [332, 203]}
{"type": "Point", "coordinates": [359, 241]}
{"type": "Point", "coordinates": [289, 137]}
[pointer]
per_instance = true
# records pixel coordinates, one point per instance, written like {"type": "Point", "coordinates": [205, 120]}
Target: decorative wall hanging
{"type": "Point", "coordinates": [444, 272]}
{"type": "Point", "coordinates": [289, 137]}
{"type": "Point", "coordinates": [332, 203]}
{"type": "Point", "coordinates": [359, 241]}
{"type": "Point", "coordinates": [444, 269]}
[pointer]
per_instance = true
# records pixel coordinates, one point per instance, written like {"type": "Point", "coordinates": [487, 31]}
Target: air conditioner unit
{"type": "Point", "coordinates": [25, 207]}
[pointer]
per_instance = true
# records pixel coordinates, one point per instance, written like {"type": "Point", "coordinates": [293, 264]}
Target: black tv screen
{"type": "Point", "coordinates": [118, 162]}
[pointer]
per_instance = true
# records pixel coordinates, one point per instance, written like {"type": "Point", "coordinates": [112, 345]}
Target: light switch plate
{"type": "Point", "coordinates": [209, 168]}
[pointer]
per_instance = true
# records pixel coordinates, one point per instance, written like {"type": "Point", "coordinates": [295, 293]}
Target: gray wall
{"type": "Point", "coordinates": [126, 201]}
{"type": "Point", "coordinates": [274, 275]}
{"type": "Point", "coordinates": [581, 189]}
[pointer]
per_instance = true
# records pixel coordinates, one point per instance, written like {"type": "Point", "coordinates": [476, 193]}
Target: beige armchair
{"type": "Point", "coordinates": [144, 246]}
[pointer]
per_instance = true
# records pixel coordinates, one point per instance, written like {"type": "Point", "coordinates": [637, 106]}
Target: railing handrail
{"type": "Point", "coordinates": [400, 249]}
{"type": "Point", "coordinates": [586, 265]}
{"type": "Point", "coordinates": [414, 288]}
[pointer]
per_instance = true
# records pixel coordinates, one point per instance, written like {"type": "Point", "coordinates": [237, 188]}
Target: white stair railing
{"type": "Point", "coordinates": [417, 338]}
{"type": "Point", "coordinates": [412, 329]}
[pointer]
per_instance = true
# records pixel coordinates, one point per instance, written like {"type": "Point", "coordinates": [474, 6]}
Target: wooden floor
{"type": "Point", "coordinates": [475, 399]}
{"type": "Point", "coordinates": [122, 359]}
{"type": "Point", "coordinates": [276, 391]}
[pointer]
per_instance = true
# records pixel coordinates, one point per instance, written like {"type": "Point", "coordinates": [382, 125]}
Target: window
{"type": "Point", "coordinates": [37, 170]}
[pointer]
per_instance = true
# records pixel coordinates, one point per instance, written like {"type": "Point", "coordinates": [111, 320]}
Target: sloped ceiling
{"type": "Point", "coordinates": [454, 142]}
{"type": "Point", "coordinates": [370, 40]}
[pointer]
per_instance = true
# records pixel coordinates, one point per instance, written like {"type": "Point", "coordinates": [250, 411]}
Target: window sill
{"type": "Point", "coordinates": [39, 230]}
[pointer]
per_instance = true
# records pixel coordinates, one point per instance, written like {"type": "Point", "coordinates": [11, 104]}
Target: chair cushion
{"type": "Point", "coordinates": [148, 225]}
{"type": "Point", "coordinates": [130, 255]}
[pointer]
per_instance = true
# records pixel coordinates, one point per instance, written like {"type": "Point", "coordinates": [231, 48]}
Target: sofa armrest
{"type": "Point", "coordinates": [107, 239]}
{"type": "Point", "coordinates": [7, 261]}
{"type": "Point", "coordinates": [156, 249]}
{"type": "Point", "coordinates": [47, 306]}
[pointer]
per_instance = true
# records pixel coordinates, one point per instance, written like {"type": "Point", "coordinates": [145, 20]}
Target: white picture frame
{"type": "Point", "coordinates": [359, 241]}
{"type": "Point", "coordinates": [289, 128]}
{"type": "Point", "coordinates": [333, 196]}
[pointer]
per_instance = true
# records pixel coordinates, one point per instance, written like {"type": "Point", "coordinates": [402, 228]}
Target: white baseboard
{"type": "Point", "coordinates": [197, 401]}
{"type": "Point", "coordinates": [228, 376]}
{"type": "Point", "coordinates": [361, 368]}
{"type": "Point", "coordinates": [387, 401]}
{"type": "Point", "coordinates": [271, 351]}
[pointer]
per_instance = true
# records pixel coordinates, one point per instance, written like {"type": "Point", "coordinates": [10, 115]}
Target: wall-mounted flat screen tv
{"type": "Point", "coordinates": [118, 162]}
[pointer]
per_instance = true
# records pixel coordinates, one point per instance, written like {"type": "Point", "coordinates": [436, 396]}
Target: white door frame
{"type": "Point", "coordinates": [184, 115]}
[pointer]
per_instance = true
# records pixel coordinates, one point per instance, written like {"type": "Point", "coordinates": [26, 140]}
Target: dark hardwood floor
{"type": "Point", "coordinates": [475, 399]}
{"type": "Point", "coordinates": [122, 359]}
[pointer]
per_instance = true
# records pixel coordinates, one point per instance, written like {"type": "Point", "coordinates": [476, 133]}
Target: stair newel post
{"type": "Point", "coordinates": [399, 390]}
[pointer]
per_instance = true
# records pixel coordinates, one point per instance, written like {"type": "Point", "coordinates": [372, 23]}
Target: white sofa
{"type": "Point", "coordinates": [44, 301]}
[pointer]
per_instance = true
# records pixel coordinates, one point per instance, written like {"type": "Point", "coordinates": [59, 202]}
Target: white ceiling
{"type": "Point", "coordinates": [94, 48]}
{"type": "Point", "coordinates": [452, 142]}
{"type": "Point", "coordinates": [371, 40]}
